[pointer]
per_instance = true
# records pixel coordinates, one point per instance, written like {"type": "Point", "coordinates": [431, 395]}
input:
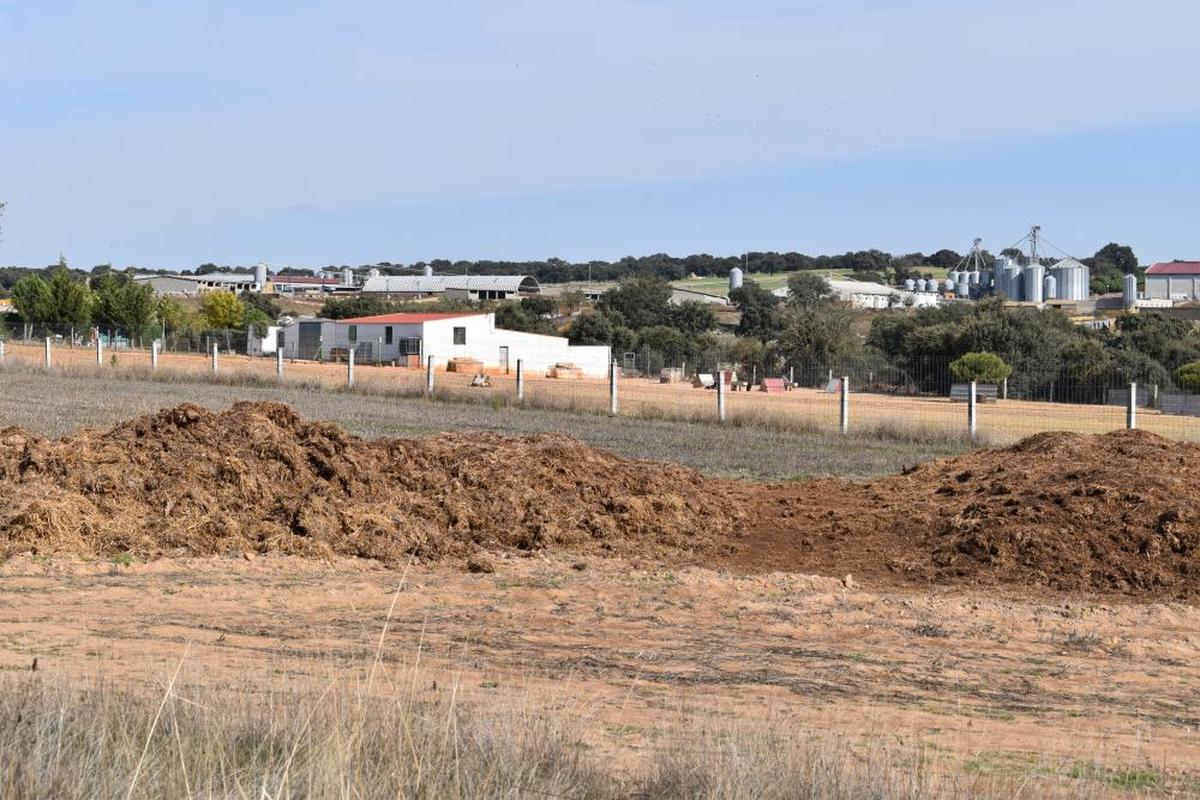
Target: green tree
{"type": "Point", "coordinates": [70, 299]}
{"type": "Point", "coordinates": [641, 301]}
{"type": "Point", "coordinates": [32, 299]}
{"type": "Point", "coordinates": [268, 305]}
{"type": "Point", "coordinates": [982, 367]}
{"type": "Point", "coordinates": [1187, 377]}
{"type": "Point", "coordinates": [691, 317]}
{"type": "Point", "coordinates": [806, 290]}
{"type": "Point", "coordinates": [539, 305]}
{"type": "Point", "coordinates": [817, 336]}
{"type": "Point", "coordinates": [222, 310]}
{"type": "Point", "coordinates": [517, 317]}
{"type": "Point", "coordinates": [759, 310]}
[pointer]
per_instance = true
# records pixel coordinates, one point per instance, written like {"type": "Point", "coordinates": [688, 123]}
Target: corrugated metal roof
{"type": "Point", "coordinates": [409, 318]}
{"type": "Point", "coordinates": [1174, 268]}
{"type": "Point", "coordinates": [436, 284]}
{"type": "Point", "coordinates": [306, 279]}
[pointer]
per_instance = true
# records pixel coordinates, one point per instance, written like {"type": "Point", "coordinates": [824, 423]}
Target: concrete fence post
{"type": "Point", "coordinates": [214, 358]}
{"type": "Point", "coordinates": [349, 367]}
{"type": "Point", "coordinates": [278, 362]}
{"type": "Point", "coordinates": [792, 375]}
{"type": "Point", "coordinates": [378, 350]}
{"type": "Point", "coordinates": [520, 380]}
{"type": "Point", "coordinates": [972, 411]}
{"type": "Point", "coordinates": [1004, 389]}
{"type": "Point", "coordinates": [47, 352]}
{"type": "Point", "coordinates": [429, 375]}
{"type": "Point", "coordinates": [1154, 396]}
{"type": "Point", "coordinates": [722, 382]}
{"type": "Point", "coordinates": [99, 349]}
{"type": "Point", "coordinates": [613, 402]}
{"type": "Point", "coordinates": [154, 354]}
{"type": "Point", "coordinates": [1, 350]}
{"type": "Point", "coordinates": [1131, 408]}
{"type": "Point", "coordinates": [845, 413]}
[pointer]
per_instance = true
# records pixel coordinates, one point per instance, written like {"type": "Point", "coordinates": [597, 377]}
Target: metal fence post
{"type": "Point", "coordinates": [721, 383]}
{"type": "Point", "coordinates": [99, 349]}
{"type": "Point", "coordinates": [214, 358]}
{"type": "Point", "coordinates": [613, 403]}
{"type": "Point", "coordinates": [47, 352]}
{"type": "Point", "coordinates": [429, 375]}
{"type": "Point", "coordinates": [972, 412]}
{"type": "Point", "coordinates": [845, 415]}
{"type": "Point", "coordinates": [1131, 408]}
{"type": "Point", "coordinates": [279, 362]}
{"type": "Point", "coordinates": [520, 380]}
{"type": "Point", "coordinates": [349, 367]}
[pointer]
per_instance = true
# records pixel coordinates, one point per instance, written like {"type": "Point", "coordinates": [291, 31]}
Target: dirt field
{"type": "Point", "coordinates": [1018, 614]}
{"type": "Point", "coordinates": [1000, 423]}
{"type": "Point", "coordinates": [1078, 696]}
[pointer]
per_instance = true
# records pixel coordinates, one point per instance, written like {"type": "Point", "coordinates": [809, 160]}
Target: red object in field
{"type": "Point", "coordinates": [771, 386]}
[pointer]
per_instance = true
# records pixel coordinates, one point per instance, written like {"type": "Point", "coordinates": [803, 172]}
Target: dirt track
{"type": "Point", "coordinates": [1111, 514]}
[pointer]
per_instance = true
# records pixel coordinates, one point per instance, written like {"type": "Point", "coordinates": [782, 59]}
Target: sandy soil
{"type": "Point", "coordinates": [1001, 422]}
{"type": "Point", "coordinates": [646, 656]}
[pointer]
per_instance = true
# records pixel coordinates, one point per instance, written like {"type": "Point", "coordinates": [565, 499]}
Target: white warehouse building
{"type": "Point", "coordinates": [410, 338]}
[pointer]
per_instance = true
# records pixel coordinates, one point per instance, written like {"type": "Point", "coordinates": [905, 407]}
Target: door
{"type": "Point", "coordinates": [504, 357]}
{"type": "Point", "coordinates": [309, 340]}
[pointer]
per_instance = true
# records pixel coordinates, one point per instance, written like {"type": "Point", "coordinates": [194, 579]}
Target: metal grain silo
{"type": "Point", "coordinates": [948, 285]}
{"type": "Point", "coordinates": [1010, 282]}
{"type": "Point", "coordinates": [1129, 296]}
{"type": "Point", "coordinates": [735, 278]}
{"type": "Point", "coordinates": [347, 276]}
{"type": "Point", "coordinates": [973, 277]}
{"type": "Point", "coordinates": [963, 288]}
{"type": "Point", "coordinates": [910, 284]}
{"type": "Point", "coordinates": [1074, 279]}
{"type": "Point", "coordinates": [1032, 287]}
{"type": "Point", "coordinates": [427, 271]}
{"type": "Point", "coordinates": [1050, 288]}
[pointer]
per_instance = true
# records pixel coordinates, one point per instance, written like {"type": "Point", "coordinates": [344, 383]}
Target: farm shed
{"type": "Point", "coordinates": [453, 287]}
{"type": "Point", "coordinates": [1173, 280]}
{"type": "Point", "coordinates": [409, 338]}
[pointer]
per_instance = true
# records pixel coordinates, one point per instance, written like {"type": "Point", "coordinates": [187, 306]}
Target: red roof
{"type": "Point", "coordinates": [409, 318]}
{"type": "Point", "coordinates": [1174, 268]}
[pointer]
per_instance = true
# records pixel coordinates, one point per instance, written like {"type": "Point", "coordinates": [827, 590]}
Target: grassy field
{"type": "Point", "coordinates": [58, 404]}
{"type": "Point", "coordinates": [802, 411]}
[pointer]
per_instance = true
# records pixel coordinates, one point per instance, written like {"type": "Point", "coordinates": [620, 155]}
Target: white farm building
{"type": "Point", "coordinates": [410, 338]}
{"type": "Point", "coordinates": [1173, 280]}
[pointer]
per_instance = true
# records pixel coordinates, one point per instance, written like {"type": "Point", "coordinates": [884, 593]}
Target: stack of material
{"type": "Point", "coordinates": [470, 366]}
{"type": "Point", "coordinates": [565, 371]}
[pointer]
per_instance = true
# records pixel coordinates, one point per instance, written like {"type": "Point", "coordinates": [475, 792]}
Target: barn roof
{"type": "Point", "coordinates": [1174, 268]}
{"type": "Point", "coordinates": [409, 318]}
{"type": "Point", "coordinates": [435, 284]}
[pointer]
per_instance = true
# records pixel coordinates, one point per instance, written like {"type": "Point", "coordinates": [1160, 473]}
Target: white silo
{"type": "Point", "coordinates": [948, 285]}
{"type": "Point", "coordinates": [973, 277]}
{"type": "Point", "coordinates": [1011, 282]}
{"type": "Point", "coordinates": [347, 276]}
{"type": "Point", "coordinates": [1050, 288]}
{"type": "Point", "coordinates": [735, 278]}
{"type": "Point", "coordinates": [1032, 288]}
{"type": "Point", "coordinates": [910, 284]}
{"type": "Point", "coordinates": [427, 271]}
{"type": "Point", "coordinates": [260, 276]}
{"type": "Point", "coordinates": [1129, 296]}
{"type": "Point", "coordinates": [373, 273]}
{"type": "Point", "coordinates": [963, 287]}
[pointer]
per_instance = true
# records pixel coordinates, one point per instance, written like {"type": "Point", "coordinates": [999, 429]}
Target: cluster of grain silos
{"type": "Point", "coordinates": [1072, 280]}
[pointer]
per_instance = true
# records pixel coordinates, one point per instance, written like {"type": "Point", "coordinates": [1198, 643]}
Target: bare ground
{"type": "Point", "coordinates": [1058, 692]}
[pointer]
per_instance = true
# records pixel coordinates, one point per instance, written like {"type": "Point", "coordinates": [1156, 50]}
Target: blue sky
{"type": "Point", "coordinates": [169, 134]}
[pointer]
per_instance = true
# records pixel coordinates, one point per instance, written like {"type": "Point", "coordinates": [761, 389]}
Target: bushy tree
{"type": "Point", "coordinates": [981, 367]}
{"type": "Point", "coordinates": [222, 310]}
{"type": "Point", "coordinates": [121, 302]}
{"type": "Point", "coordinates": [641, 301]}
{"type": "Point", "coordinates": [70, 299]}
{"type": "Point", "coordinates": [1187, 377]}
{"type": "Point", "coordinates": [518, 317]}
{"type": "Point", "coordinates": [807, 290]}
{"type": "Point", "coordinates": [759, 310]}
{"type": "Point", "coordinates": [32, 299]}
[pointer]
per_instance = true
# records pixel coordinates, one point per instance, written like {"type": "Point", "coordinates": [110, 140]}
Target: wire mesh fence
{"type": "Point", "coordinates": [865, 396]}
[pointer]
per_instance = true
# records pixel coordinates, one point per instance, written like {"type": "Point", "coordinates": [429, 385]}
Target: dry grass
{"type": "Point", "coordinates": [103, 741]}
{"type": "Point", "coordinates": [60, 402]}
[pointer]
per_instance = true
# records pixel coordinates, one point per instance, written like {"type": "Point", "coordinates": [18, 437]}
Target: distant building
{"type": "Point", "coordinates": [453, 287]}
{"type": "Point", "coordinates": [682, 295]}
{"type": "Point", "coordinates": [1173, 280]}
{"type": "Point", "coordinates": [410, 338]}
{"type": "Point", "coordinates": [288, 284]}
{"type": "Point", "coordinates": [867, 294]}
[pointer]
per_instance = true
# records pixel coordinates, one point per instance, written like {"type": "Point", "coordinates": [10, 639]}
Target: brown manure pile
{"type": "Point", "coordinates": [257, 478]}
{"type": "Point", "coordinates": [1117, 513]}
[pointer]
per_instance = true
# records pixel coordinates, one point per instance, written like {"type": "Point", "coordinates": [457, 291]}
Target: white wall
{"type": "Point", "coordinates": [483, 342]}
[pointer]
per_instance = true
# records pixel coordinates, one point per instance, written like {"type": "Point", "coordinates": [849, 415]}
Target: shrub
{"type": "Point", "coordinates": [1187, 377]}
{"type": "Point", "coordinates": [982, 367]}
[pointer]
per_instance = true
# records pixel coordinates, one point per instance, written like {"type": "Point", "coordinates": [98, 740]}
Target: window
{"type": "Point", "coordinates": [353, 334]}
{"type": "Point", "coordinates": [460, 335]}
{"type": "Point", "coordinates": [387, 335]}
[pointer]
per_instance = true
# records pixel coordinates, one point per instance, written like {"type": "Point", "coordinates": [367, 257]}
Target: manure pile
{"type": "Point", "coordinates": [1116, 513]}
{"type": "Point", "coordinates": [258, 478]}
